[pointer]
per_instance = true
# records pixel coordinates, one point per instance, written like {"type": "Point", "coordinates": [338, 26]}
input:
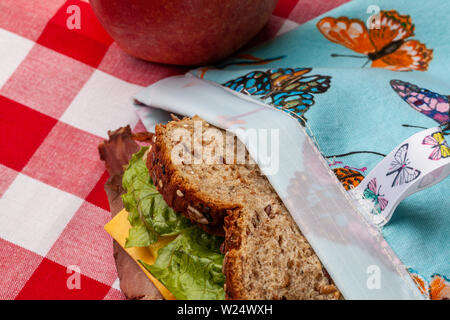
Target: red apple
{"type": "Point", "coordinates": [183, 32]}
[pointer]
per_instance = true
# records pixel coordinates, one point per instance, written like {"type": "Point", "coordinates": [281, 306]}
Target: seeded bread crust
{"type": "Point", "coordinates": [179, 193]}
{"type": "Point", "coordinates": [266, 255]}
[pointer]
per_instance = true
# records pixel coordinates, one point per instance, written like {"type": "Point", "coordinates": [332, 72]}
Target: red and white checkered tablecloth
{"type": "Point", "coordinates": [60, 91]}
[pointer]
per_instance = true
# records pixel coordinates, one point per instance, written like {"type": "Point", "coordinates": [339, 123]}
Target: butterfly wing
{"type": "Point", "coordinates": [284, 88]}
{"type": "Point", "coordinates": [430, 141]}
{"type": "Point", "coordinates": [439, 145]}
{"type": "Point", "coordinates": [294, 102]}
{"type": "Point", "coordinates": [439, 288]}
{"type": "Point", "coordinates": [405, 175]}
{"type": "Point", "coordinates": [432, 104]}
{"type": "Point", "coordinates": [436, 154]}
{"type": "Point", "coordinates": [404, 89]}
{"type": "Point", "coordinates": [282, 76]}
{"type": "Point", "coordinates": [399, 159]}
{"type": "Point", "coordinates": [382, 202]}
{"type": "Point", "coordinates": [392, 27]}
{"type": "Point", "coordinates": [420, 282]}
{"type": "Point", "coordinates": [411, 55]}
{"type": "Point", "coordinates": [350, 33]}
{"type": "Point", "coordinates": [349, 178]}
{"type": "Point", "coordinates": [373, 185]}
{"type": "Point", "coordinates": [263, 82]}
{"type": "Point", "coordinates": [445, 151]}
{"type": "Point", "coordinates": [300, 92]}
{"type": "Point", "coordinates": [253, 83]}
{"type": "Point", "coordinates": [438, 137]}
{"type": "Point", "coordinates": [293, 93]}
{"type": "Point", "coordinates": [313, 84]}
{"type": "Point", "coordinates": [369, 194]}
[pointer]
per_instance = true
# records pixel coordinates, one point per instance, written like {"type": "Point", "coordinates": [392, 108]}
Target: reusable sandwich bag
{"type": "Point", "coordinates": [354, 105]}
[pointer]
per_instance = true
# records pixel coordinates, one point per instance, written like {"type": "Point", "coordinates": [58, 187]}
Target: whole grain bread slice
{"type": "Point", "coordinates": [266, 255]}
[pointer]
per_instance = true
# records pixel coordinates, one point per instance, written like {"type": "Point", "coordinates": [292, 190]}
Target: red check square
{"type": "Point", "coordinates": [17, 265]}
{"type": "Point", "coordinates": [269, 31]}
{"type": "Point", "coordinates": [87, 44]}
{"type": "Point", "coordinates": [8, 175]}
{"type": "Point", "coordinates": [52, 281]}
{"type": "Point", "coordinates": [47, 81]}
{"type": "Point", "coordinates": [306, 10]}
{"type": "Point", "coordinates": [123, 66]}
{"type": "Point", "coordinates": [68, 160]}
{"type": "Point", "coordinates": [27, 18]}
{"type": "Point", "coordinates": [97, 195]}
{"type": "Point", "coordinates": [22, 130]}
{"type": "Point", "coordinates": [85, 243]}
{"type": "Point", "coordinates": [139, 127]}
{"type": "Point", "coordinates": [114, 294]}
{"type": "Point", "coordinates": [284, 8]}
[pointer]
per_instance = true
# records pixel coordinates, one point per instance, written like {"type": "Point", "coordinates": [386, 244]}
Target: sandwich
{"type": "Point", "coordinates": [215, 227]}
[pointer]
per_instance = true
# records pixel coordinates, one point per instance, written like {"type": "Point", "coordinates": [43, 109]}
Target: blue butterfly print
{"type": "Point", "coordinates": [287, 89]}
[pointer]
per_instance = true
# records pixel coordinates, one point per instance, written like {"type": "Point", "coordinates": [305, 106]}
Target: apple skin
{"type": "Point", "coordinates": [182, 32]}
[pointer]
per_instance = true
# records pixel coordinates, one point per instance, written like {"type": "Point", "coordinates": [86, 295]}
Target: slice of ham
{"type": "Point", "coordinates": [116, 153]}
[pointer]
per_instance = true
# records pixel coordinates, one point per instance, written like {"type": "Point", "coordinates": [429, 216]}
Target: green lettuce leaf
{"type": "Point", "coordinates": [139, 236]}
{"type": "Point", "coordinates": [191, 266]}
{"type": "Point", "coordinates": [149, 214]}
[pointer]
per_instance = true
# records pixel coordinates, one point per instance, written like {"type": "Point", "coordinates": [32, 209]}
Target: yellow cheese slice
{"type": "Point", "coordinates": [118, 228]}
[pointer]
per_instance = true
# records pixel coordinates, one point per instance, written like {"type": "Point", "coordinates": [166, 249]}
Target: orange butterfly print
{"type": "Point", "coordinates": [387, 46]}
{"type": "Point", "coordinates": [437, 289]}
{"type": "Point", "coordinates": [349, 178]}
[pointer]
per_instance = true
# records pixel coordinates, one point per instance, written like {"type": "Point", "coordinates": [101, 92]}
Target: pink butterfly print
{"type": "Point", "coordinates": [373, 192]}
{"type": "Point", "coordinates": [432, 104]}
{"type": "Point", "coordinates": [363, 169]}
{"type": "Point", "coordinates": [383, 203]}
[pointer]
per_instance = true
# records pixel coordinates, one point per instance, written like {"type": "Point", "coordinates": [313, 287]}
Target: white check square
{"type": "Point", "coordinates": [116, 284]}
{"type": "Point", "coordinates": [287, 26]}
{"type": "Point", "coordinates": [13, 49]}
{"type": "Point", "coordinates": [33, 214]}
{"type": "Point", "coordinates": [104, 103]}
